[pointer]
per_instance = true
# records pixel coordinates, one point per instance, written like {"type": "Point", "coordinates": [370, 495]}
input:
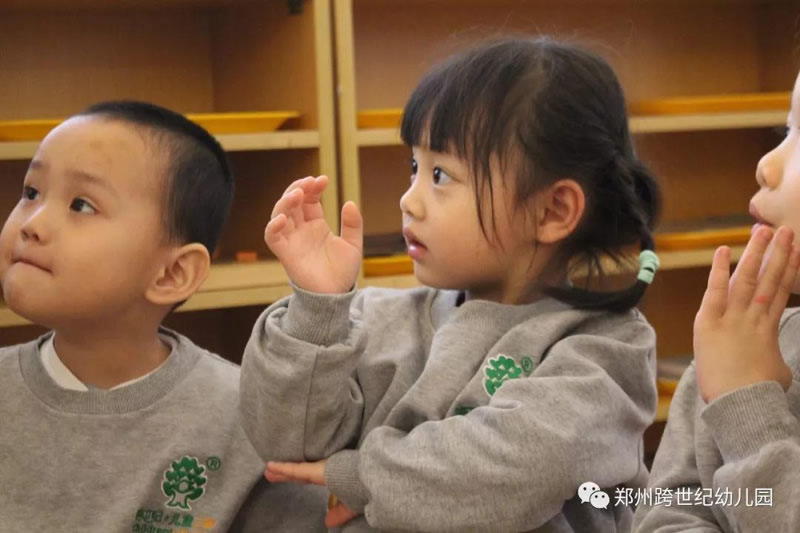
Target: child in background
{"type": "Point", "coordinates": [484, 399]}
{"type": "Point", "coordinates": [111, 422]}
{"type": "Point", "coordinates": [732, 440]}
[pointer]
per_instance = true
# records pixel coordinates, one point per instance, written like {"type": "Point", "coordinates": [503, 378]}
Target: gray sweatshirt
{"type": "Point", "coordinates": [433, 417]}
{"type": "Point", "coordinates": [744, 447]}
{"type": "Point", "coordinates": [162, 455]}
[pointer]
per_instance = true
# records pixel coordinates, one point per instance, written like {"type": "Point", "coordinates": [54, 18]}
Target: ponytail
{"type": "Point", "coordinates": [638, 206]}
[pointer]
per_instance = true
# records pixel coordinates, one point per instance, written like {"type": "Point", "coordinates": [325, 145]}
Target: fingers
{"type": "Point", "coordinates": [745, 279]}
{"type": "Point", "coordinates": [312, 202]}
{"type": "Point", "coordinates": [274, 234]}
{"type": "Point", "coordinates": [786, 285]}
{"type": "Point", "coordinates": [301, 200]}
{"type": "Point", "coordinates": [290, 205]}
{"type": "Point", "coordinates": [296, 472]}
{"type": "Point", "coordinates": [352, 225]}
{"type": "Point", "coordinates": [715, 299]}
{"type": "Point", "coordinates": [774, 267]}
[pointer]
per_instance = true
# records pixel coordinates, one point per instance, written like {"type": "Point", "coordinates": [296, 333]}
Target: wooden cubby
{"type": "Point", "coordinates": [193, 56]}
{"type": "Point", "coordinates": [702, 78]}
{"type": "Point", "coordinates": [707, 82]}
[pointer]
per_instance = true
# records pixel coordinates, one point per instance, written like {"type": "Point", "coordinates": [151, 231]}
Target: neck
{"type": "Point", "coordinates": [106, 357]}
{"type": "Point", "coordinates": [525, 277]}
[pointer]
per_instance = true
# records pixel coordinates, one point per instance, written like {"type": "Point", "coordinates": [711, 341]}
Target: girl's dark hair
{"type": "Point", "coordinates": [546, 110]}
{"type": "Point", "coordinates": [199, 183]}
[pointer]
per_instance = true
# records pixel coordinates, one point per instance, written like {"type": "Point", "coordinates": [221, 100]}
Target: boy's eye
{"type": "Point", "coordinates": [82, 206]}
{"type": "Point", "coordinates": [29, 193]}
{"type": "Point", "coordinates": [440, 177]}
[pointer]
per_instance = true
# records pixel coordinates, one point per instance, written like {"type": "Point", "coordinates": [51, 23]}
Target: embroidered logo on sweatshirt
{"type": "Point", "coordinates": [502, 368]}
{"type": "Point", "coordinates": [184, 482]}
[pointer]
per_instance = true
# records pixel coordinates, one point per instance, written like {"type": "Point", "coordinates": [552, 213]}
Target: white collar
{"type": "Point", "coordinates": [65, 379]}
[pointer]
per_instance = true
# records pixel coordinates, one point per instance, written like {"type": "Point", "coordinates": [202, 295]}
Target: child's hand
{"type": "Point", "coordinates": [314, 258]}
{"type": "Point", "coordinates": [736, 328]}
{"type": "Point", "coordinates": [302, 473]}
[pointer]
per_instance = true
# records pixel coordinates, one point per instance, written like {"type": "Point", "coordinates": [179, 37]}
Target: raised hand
{"type": "Point", "coordinates": [314, 258]}
{"type": "Point", "coordinates": [736, 328]}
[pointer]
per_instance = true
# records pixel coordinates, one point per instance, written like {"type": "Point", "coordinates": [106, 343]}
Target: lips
{"type": "Point", "coordinates": [759, 219]}
{"type": "Point", "coordinates": [416, 250]}
{"type": "Point", "coordinates": [30, 261]}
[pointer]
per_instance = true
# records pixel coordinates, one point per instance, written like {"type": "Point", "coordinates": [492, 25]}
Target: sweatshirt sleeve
{"type": "Point", "coordinates": [512, 464]}
{"type": "Point", "coordinates": [675, 468]}
{"type": "Point", "coordinates": [299, 399]}
{"type": "Point", "coordinates": [759, 439]}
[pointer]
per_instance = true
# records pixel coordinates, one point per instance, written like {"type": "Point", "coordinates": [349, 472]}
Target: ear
{"type": "Point", "coordinates": [560, 208]}
{"type": "Point", "coordinates": [186, 269]}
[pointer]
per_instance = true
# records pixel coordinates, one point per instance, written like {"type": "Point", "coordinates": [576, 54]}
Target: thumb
{"type": "Point", "coordinates": [352, 225]}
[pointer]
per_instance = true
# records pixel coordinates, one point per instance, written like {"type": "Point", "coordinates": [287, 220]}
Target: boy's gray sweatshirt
{"type": "Point", "coordinates": [736, 460]}
{"type": "Point", "coordinates": [438, 417]}
{"type": "Point", "coordinates": [163, 455]}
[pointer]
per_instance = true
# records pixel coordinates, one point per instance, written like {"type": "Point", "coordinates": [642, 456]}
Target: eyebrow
{"type": "Point", "coordinates": [79, 175]}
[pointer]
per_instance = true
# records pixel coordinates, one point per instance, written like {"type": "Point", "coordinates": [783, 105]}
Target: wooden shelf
{"type": "Point", "coordinates": [380, 127]}
{"type": "Point", "coordinates": [234, 131]}
{"type": "Point", "coordinates": [232, 142]}
{"type": "Point", "coordinates": [402, 264]}
{"type": "Point", "coordinates": [105, 5]}
{"type": "Point", "coordinates": [227, 285]}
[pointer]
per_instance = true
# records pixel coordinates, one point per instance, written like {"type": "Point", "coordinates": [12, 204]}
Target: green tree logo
{"type": "Point", "coordinates": [183, 483]}
{"type": "Point", "coordinates": [499, 370]}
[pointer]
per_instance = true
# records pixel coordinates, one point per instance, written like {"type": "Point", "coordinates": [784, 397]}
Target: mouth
{"type": "Point", "coordinates": [416, 250]}
{"type": "Point", "coordinates": [30, 262]}
{"type": "Point", "coordinates": [759, 219]}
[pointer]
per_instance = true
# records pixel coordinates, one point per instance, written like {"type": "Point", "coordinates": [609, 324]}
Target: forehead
{"type": "Point", "coordinates": [124, 155]}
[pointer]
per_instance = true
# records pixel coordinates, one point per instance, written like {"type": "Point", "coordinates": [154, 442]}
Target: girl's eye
{"type": "Point", "coordinates": [440, 177]}
{"type": "Point", "coordinates": [414, 167]}
{"type": "Point", "coordinates": [29, 193]}
{"type": "Point", "coordinates": [82, 206]}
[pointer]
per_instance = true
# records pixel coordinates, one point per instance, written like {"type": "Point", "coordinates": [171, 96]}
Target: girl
{"type": "Point", "coordinates": [484, 399]}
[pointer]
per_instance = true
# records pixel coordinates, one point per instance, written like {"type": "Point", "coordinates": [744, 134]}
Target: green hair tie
{"type": "Point", "coordinates": [648, 264]}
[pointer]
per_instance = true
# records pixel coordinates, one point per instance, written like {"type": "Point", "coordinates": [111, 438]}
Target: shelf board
{"type": "Point", "coordinates": [105, 5]}
{"type": "Point", "coordinates": [232, 142]}
{"type": "Point", "coordinates": [228, 285]}
{"type": "Point", "coordinates": [19, 139]}
{"type": "Point", "coordinates": [401, 264]}
{"type": "Point", "coordinates": [379, 127]}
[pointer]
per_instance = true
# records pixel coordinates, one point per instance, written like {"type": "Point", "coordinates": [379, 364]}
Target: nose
{"type": "Point", "coordinates": [769, 171]}
{"type": "Point", "coordinates": [411, 202]}
{"type": "Point", "coordinates": [33, 227]}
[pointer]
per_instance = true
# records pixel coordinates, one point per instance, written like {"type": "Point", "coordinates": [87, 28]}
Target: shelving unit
{"type": "Point", "coordinates": [707, 81]}
{"type": "Point", "coordinates": [380, 127]}
{"type": "Point", "coordinates": [223, 59]}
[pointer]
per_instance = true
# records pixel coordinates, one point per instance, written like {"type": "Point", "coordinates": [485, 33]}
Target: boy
{"type": "Point", "coordinates": [731, 448]}
{"type": "Point", "coordinates": [110, 422]}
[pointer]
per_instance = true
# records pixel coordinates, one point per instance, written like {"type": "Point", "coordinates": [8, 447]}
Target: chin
{"type": "Point", "coordinates": [26, 304]}
{"type": "Point", "coordinates": [429, 279]}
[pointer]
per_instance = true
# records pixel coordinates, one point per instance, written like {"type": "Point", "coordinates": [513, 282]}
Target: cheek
{"type": "Point", "coordinates": [10, 229]}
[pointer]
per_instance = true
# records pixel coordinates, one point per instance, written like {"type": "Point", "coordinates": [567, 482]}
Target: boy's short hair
{"type": "Point", "coordinates": [199, 183]}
